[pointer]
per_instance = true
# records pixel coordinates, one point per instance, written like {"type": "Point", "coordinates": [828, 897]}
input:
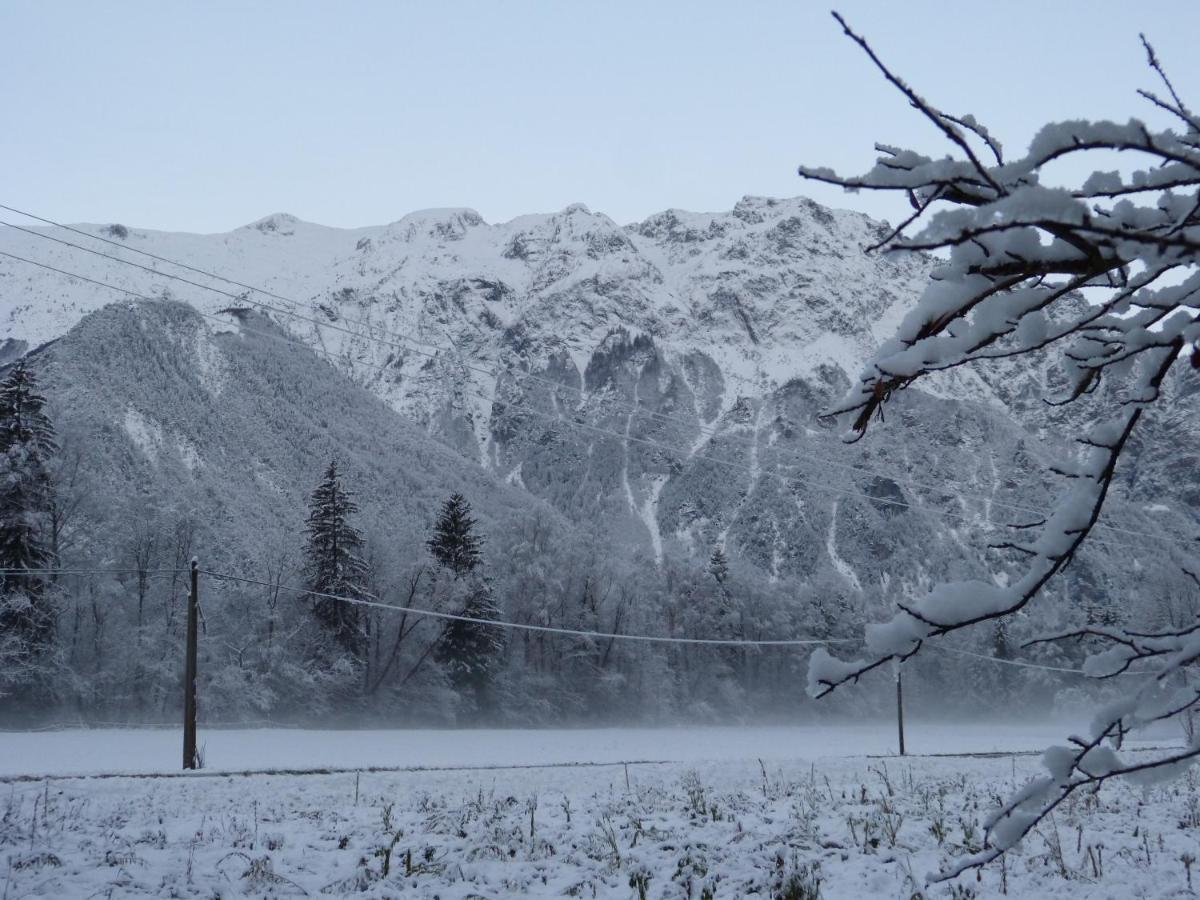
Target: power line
{"type": "Point", "coordinates": [396, 342]}
{"type": "Point", "coordinates": [249, 287]}
{"type": "Point", "coordinates": [787, 480]}
{"type": "Point", "coordinates": [260, 290]}
{"type": "Point", "coordinates": [268, 293]}
{"type": "Point", "coordinates": [51, 571]}
{"type": "Point", "coordinates": [141, 252]}
{"type": "Point", "coordinates": [517, 626]}
{"type": "Point", "coordinates": [1019, 663]}
{"type": "Point", "coordinates": [64, 272]}
{"type": "Point", "coordinates": [404, 343]}
{"type": "Point", "coordinates": [572, 632]}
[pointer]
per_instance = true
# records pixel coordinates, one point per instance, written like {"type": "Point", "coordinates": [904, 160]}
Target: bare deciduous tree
{"type": "Point", "coordinates": [1016, 258]}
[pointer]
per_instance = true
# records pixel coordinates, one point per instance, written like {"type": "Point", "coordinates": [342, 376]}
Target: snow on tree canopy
{"type": "Point", "coordinates": [27, 611]}
{"type": "Point", "coordinates": [335, 568]}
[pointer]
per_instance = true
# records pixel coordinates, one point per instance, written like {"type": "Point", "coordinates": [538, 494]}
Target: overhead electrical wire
{"type": "Point", "coordinates": [519, 626]}
{"type": "Point", "coordinates": [546, 629]}
{"type": "Point", "coordinates": [942, 648]}
{"type": "Point", "coordinates": [16, 570]}
{"type": "Point", "coordinates": [1022, 664]}
{"type": "Point", "coordinates": [260, 290]}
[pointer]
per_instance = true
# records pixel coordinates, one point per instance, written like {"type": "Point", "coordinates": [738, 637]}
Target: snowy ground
{"type": "Point", "coordinates": [155, 750]}
{"type": "Point", "coordinates": [711, 822]}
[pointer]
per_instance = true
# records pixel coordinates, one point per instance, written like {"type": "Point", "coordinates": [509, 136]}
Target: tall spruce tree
{"type": "Point", "coordinates": [718, 564]}
{"type": "Point", "coordinates": [455, 545]}
{"type": "Point", "coordinates": [469, 651]}
{"type": "Point", "coordinates": [27, 445]}
{"type": "Point", "coordinates": [334, 563]}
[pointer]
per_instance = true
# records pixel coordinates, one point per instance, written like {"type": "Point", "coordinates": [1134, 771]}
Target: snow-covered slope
{"type": "Point", "coordinates": [166, 415]}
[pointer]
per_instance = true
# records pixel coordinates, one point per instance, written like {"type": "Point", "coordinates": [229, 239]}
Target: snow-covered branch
{"type": "Point", "coordinates": [1086, 763]}
{"type": "Point", "coordinates": [1107, 276]}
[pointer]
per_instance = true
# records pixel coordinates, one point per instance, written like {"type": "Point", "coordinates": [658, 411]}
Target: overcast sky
{"type": "Point", "coordinates": [205, 116]}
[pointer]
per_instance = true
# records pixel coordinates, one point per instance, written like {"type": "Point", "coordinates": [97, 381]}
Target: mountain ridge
{"type": "Point", "coordinates": [599, 367]}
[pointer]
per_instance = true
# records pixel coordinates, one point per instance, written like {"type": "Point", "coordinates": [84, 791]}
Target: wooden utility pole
{"type": "Point", "coordinates": [900, 704]}
{"type": "Point", "coordinates": [189, 672]}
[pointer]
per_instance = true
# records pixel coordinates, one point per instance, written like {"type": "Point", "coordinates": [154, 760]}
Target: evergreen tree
{"type": "Point", "coordinates": [468, 651]}
{"type": "Point", "coordinates": [27, 445]}
{"type": "Point", "coordinates": [454, 544]}
{"type": "Point", "coordinates": [1002, 649]}
{"type": "Point", "coordinates": [334, 564]}
{"type": "Point", "coordinates": [718, 564]}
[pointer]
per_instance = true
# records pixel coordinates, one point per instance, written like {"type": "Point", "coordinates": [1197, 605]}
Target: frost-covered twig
{"type": "Point", "coordinates": [1087, 764]}
{"type": "Point", "coordinates": [1175, 648]}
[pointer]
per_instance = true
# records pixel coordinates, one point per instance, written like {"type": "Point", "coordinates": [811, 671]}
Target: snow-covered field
{"type": "Point", "coordinates": [707, 819]}
{"type": "Point", "coordinates": [154, 750]}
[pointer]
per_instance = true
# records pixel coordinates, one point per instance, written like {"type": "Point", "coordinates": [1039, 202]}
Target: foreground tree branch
{"type": "Point", "coordinates": [1105, 275]}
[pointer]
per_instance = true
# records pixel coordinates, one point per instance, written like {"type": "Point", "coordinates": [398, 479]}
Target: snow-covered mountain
{"type": "Point", "coordinates": [617, 402]}
{"type": "Point", "coordinates": [770, 290]}
{"type": "Point", "coordinates": [660, 379]}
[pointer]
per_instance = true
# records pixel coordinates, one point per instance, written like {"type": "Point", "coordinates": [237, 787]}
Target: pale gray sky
{"type": "Point", "coordinates": [205, 116]}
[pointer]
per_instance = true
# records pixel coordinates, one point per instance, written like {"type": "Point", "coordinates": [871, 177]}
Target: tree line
{"type": "Point", "coordinates": [339, 579]}
{"type": "Point", "coordinates": [343, 643]}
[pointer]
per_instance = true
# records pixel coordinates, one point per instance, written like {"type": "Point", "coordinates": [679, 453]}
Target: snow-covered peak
{"type": "Point", "coordinates": [281, 223]}
{"type": "Point", "coordinates": [450, 223]}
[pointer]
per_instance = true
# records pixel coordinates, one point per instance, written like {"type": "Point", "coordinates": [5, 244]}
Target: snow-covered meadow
{"type": "Point", "coordinates": [769, 812]}
{"type": "Point", "coordinates": [157, 750]}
